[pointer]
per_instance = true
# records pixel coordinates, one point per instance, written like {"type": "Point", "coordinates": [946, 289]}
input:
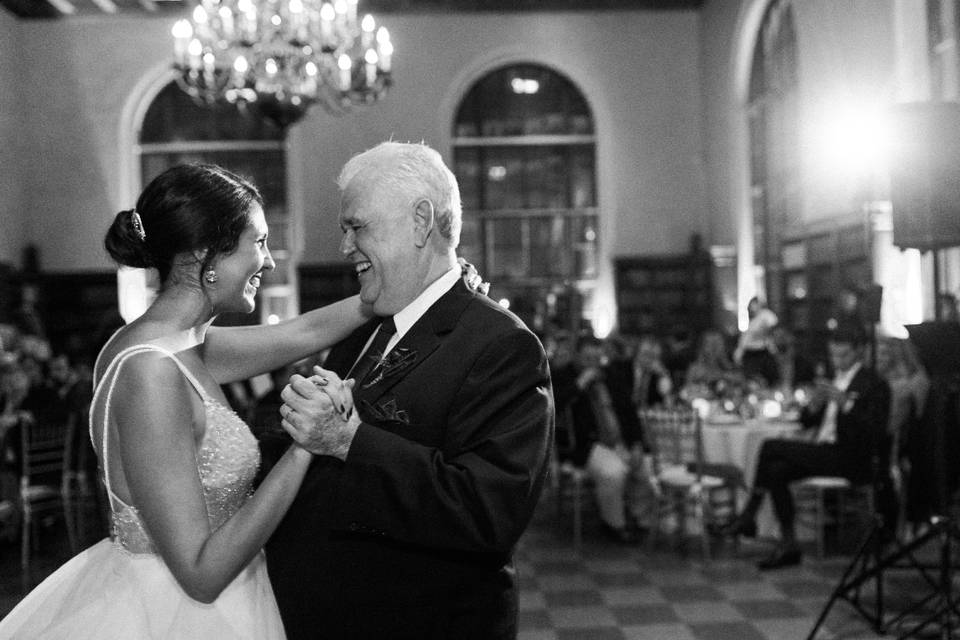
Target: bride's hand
{"type": "Point", "coordinates": [340, 391]}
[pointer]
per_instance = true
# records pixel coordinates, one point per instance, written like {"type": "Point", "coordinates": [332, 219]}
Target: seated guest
{"type": "Point", "coordinates": [795, 369]}
{"type": "Point", "coordinates": [605, 441]}
{"type": "Point", "coordinates": [899, 365]}
{"type": "Point", "coordinates": [754, 352]}
{"type": "Point", "coordinates": [652, 385]}
{"type": "Point", "coordinates": [850, 415]}
{"type": "Point", "coordinates": [712, 368]}
{"type": "Point", "coordinates": [679, 354]}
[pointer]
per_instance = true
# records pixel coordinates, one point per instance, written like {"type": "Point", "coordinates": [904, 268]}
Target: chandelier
{"type": "Point", "coordinates": [282, 56]}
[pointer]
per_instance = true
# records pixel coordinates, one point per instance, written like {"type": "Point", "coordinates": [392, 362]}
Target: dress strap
{"type": "Point", "coordinates": [109, 381]}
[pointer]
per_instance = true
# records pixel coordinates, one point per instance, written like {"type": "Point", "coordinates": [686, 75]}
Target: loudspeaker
{"type": "Point", "coordinates": [925, 175]}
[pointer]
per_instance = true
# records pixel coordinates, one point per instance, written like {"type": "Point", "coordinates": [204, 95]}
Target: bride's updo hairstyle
{"type": "Point", "coordinates": [199, 208]}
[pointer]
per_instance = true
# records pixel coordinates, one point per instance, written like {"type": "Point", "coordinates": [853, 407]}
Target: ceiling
{"type": "Point", "coordinates": [54, 9]}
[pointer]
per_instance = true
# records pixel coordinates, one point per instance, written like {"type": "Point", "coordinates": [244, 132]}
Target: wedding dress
{"type": "Point", "coordinates": [120, 587]}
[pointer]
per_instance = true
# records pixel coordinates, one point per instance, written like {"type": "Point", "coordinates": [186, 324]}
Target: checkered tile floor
{"type": "Point", "coordinates": [609, 591]}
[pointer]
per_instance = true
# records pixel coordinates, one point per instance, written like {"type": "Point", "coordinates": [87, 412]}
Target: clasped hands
{"type": "Point", "coordinates": [318, 413]}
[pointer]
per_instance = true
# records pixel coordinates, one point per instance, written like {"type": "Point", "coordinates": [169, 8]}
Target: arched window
{"type": "Point", "coordinates": [524, 154]}
{"type": "Point", "coordinates": [176, 130]}
{"type": "Point", "coordinates": [774, 141]}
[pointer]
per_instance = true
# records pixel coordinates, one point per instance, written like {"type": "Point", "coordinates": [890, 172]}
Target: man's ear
{"type": "Point", "coordinates": [423, 221]}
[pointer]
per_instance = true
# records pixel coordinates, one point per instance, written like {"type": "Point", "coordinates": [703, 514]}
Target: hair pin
{"type": "Point", "coordinates": [138, 225]}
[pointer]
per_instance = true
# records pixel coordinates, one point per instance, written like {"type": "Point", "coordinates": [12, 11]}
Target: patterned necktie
{"type": "Point", "coordinates": [375, 351]}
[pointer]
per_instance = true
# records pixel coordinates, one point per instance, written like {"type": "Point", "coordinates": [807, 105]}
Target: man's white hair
{"type": "Point", "coordinates": [413, 171]}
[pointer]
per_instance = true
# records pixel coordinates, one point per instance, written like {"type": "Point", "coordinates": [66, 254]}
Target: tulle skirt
{"type": "Point", "coordinates": [107, 593]}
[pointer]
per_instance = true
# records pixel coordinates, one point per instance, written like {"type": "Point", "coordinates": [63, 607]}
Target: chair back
{"type": "Point", "coordinates": [675, 437]}
{"type": "Point", "coordinates": [43, 452]}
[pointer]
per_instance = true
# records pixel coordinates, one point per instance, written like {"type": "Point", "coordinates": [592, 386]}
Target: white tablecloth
{"type": "Point", "coordinates": [738, 442]}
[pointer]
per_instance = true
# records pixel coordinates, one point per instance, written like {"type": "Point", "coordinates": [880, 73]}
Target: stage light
{"type": "Point", "coordinates": [851, 140]}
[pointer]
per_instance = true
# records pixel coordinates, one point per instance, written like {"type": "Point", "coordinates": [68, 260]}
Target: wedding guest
{"type": "Point", "coordinates": [652, 385]}
{"type": "Point", "coordinates": [712, 369]}
{"type": "Point", "coordinates": [406, 528]}
{"type": "Point", "coordinates": [847, 420]}
{"type": "Point", "coordinates": [899, 365]}
{"type": "Point", "coordinates": [185, 560]}
{"type": "Point", "coordinates": [607, 446]}
{"type": "Point", "coordinates": [754, 351]}
{"type": "Point", "coordinates": [14, 387]}
{"type": "Point", "coordinates": [794, 368]}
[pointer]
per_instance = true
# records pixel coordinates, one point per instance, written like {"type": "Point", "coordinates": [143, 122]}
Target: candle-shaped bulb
{"type": "Point", "coordinates": [386, 50]}
{"type": "Point", "coordinates": [182, 30]}
{"type": "Point", "coordinates": [240, 65]}
{"type": "Point", "coordinates": [199, 14]}
{"type": "Point", "coordinates": [271, 67]}
{"type": "Point", "coordinates": [370, 57]}
{"type": "Point", "coordinates": [345, 64]}
{"type": "Point", "coordinates": [226, 21]}
{"type": "Point", "coordinates": [367, 26]}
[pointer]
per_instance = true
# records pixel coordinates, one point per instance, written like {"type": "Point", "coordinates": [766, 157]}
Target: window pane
{"type": "Point", "coordinates": [545, 178]}
{"type": "Point", "coordinates": [582, 177]}
{"type": "Point", "coordinates": [471, 242]}
{"type": "Point", "coordinates": [174, 116]}
{"type": "Point", "coordinates": [523, 100]}
{"type": "Point", "coordinates": [549, 255]}
{"type": "Point", "coordinates": [467, 170]}
{"type": "Point", "coordinates": [503, 175]}
{"type": "Point", "coordinates": [583, 241]}
{"type": "Point", "coordinates": [506, 256]}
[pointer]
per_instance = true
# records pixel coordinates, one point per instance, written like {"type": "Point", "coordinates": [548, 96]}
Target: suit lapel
{"type": "Point", "coordinates": [418, 343]}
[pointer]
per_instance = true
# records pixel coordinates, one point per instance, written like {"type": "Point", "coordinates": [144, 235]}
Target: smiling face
{"type": "Point", "coordinates": [379, 239]}
{"type": "Point", "coordinates": [239, 272]}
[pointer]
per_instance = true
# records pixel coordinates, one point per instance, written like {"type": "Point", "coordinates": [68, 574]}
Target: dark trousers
{"type": "Point", "coordinates": [782, 462]}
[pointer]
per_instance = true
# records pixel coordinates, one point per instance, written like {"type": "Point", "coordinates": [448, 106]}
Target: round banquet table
{"type": "Point", "coordinates": [733, 440]}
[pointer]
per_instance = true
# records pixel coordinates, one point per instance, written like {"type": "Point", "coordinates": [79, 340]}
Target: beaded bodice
{"type": "Point", "coordinates": [227, 461]}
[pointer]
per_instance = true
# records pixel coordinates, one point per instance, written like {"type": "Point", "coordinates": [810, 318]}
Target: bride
{"type": "Point", "coordinates": [184, 559]}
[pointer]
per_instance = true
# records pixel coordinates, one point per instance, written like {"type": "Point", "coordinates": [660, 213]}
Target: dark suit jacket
{"type": "Point", "coordinates": [412, 536]}
{"type": "Point", "coordinates": [861, 426]}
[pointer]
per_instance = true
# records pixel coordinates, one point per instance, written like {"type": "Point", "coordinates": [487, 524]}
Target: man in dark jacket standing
{"type": "Point", "coordinates": [406, 529]}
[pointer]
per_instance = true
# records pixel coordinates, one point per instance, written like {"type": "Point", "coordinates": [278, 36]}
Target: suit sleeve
{"type": "Point", "coordinates": [477, 491]}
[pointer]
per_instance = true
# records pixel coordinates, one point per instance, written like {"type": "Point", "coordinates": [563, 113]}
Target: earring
{"type": "Point", "coordinates": [210, 276]}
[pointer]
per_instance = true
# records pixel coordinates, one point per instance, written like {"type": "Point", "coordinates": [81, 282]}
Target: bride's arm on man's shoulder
{"type": "Point", "coordinates": [237, 353]}
{"type": "Point", "coordinates": [156, 412]}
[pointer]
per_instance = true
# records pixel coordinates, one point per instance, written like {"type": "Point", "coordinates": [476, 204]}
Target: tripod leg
{"type": "Point", "coordinates": [845, 583]}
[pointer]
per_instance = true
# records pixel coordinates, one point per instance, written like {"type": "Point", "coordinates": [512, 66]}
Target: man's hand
{"type": "Point", "coordinates": [314, 420]}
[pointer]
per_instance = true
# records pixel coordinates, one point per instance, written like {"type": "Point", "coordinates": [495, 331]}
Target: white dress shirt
{"type": "Point", "coordinates": [828, 429]}
{"type": "Point", "coordinates": [408, 316]}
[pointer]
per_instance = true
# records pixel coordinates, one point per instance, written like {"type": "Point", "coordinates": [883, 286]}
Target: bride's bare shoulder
{"type": "Point", "coordinates": [128, 336]}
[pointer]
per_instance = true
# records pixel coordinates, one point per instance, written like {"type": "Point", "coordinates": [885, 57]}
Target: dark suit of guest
{"type": "Point", "coordinates": [860, 430]}
{"type": "Point", "coordinates": [412, 536]}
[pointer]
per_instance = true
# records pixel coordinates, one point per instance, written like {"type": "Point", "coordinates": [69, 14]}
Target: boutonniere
{"type": "Point", "coordinates": [395, 362]}
{"type": "Point", "coordinates": [387, 411]}
{"type": "Point", "coordinates": [849, 399]}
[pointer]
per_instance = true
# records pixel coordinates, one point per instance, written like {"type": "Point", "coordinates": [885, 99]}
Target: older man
{"type": "Point", "coordinates": [406, 528]}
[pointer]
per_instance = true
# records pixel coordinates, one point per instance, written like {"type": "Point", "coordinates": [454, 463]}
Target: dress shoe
{"type": "Point", "coordinates": [739, 526]}
{"type": "Point", "coordinates": [782, 557]}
